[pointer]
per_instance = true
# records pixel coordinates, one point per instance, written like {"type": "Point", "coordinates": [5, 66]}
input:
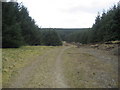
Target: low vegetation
{"type": "Point", "coordinates": [15, 59]}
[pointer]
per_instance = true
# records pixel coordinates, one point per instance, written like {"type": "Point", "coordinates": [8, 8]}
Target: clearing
{"type": "Point", "coordinates": [59, 67]}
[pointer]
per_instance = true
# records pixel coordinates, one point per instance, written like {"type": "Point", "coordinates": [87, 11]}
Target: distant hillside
{"type": "Point", "coordinates": [65, 32]}
{"type": "Point", "coordinates": [64, 29]}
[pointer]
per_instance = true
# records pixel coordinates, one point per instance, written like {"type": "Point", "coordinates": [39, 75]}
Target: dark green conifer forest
{"type": "Point", "coordinates": [105, 28]}
{"type": "Point", "coordinates": [19, 29]}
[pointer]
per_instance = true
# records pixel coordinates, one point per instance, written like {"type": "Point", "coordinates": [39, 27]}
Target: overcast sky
{"type": "Point", "coordinates": [66, 13]}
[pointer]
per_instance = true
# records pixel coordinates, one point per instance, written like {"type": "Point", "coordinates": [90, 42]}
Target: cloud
{"type": "Point", "coordinates": [81, 9]}
{"type": "Point", "coordinates": [66, 13]}
{"type": "Point", "coordinates": [91, 6]}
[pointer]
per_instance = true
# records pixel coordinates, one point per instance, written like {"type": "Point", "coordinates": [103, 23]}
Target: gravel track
{"type": "Point", "coordinates": [48, 70]}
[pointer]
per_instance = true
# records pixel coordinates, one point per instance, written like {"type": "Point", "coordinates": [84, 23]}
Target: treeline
{"type": "Point", "coordinates": [105, 28]}
{"type": "Point", "coordinates": [65, 32]}
{"type": "Point", "coordinates": [50, 37]}
{"type": "Point", "coordinates": [18, 28]}
{"type": "Point", "coordinates": [81, 36]}
{"type": "Point", "coordinates": [71, 34]}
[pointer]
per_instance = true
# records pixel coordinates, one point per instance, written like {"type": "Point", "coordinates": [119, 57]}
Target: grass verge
{"type": "Point", "coordinates": [13, 59]}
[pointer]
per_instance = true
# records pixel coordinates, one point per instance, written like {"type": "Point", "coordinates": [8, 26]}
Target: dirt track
{"type": "Point", "coordinates": [52, 70]}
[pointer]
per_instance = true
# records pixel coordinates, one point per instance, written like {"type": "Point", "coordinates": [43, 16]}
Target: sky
{"type": "Point", "coordinates": [66, 13]}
